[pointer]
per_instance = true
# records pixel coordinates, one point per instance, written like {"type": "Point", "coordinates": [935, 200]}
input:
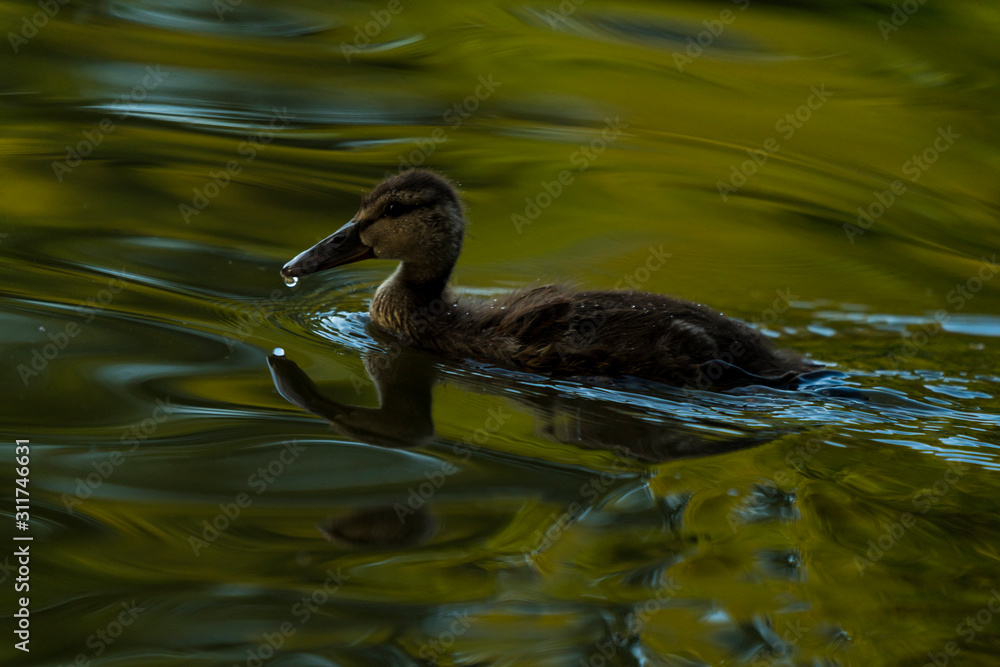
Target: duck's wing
{"type": "Point", "coordinates": [553, 330]}
{"type": "Point", "coordinates": [520, 329]}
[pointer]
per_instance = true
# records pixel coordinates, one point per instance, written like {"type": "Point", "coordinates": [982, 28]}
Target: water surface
{"type": "Point", "coordinates": [824, 170]}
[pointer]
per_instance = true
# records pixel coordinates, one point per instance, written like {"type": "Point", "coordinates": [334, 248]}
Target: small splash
{"type": "Point", "coordinates": [278, 352]}
{"type": "Point", "coordinates": [291, 281]}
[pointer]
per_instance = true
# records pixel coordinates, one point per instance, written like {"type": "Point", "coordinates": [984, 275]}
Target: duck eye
{"type": "Point", "coordinates": [396, 208]}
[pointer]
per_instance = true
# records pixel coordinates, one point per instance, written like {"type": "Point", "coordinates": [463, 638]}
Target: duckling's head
{"type": "Point", "coordinates": [415, 217]}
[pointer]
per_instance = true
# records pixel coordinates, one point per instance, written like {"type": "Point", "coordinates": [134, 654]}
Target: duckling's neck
{"type": "Point", "coordinates": [412, 302]}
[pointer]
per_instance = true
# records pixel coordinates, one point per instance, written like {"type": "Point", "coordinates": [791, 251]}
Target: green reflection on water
{"type": "Point", "coordinates": [747, 528]}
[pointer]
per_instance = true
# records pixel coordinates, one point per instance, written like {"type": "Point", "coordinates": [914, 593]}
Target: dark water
{"type": "Point", "coordinates": [161, 160]}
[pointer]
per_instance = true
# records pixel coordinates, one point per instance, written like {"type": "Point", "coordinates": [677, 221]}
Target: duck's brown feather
{"type": "Point", "coordinates": [554, 330]}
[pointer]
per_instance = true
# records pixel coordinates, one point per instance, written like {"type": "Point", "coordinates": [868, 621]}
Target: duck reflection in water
{"type": "Point", "coordinates": [404, 380]}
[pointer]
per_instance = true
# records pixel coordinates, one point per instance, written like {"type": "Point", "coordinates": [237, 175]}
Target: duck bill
{"type": "Point", "coordinates": [342, 247]}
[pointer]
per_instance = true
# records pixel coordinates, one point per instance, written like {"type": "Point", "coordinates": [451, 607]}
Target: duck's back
{"type": "Point", "coordinates": [556, 331]}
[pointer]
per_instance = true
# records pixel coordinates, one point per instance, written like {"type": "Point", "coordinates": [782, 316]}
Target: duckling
{"type": "Point", "coordinates": [416, 218]}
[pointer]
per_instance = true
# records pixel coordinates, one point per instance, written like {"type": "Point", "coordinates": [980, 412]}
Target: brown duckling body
{"type": "Point", "coordinates": [416, 217]}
